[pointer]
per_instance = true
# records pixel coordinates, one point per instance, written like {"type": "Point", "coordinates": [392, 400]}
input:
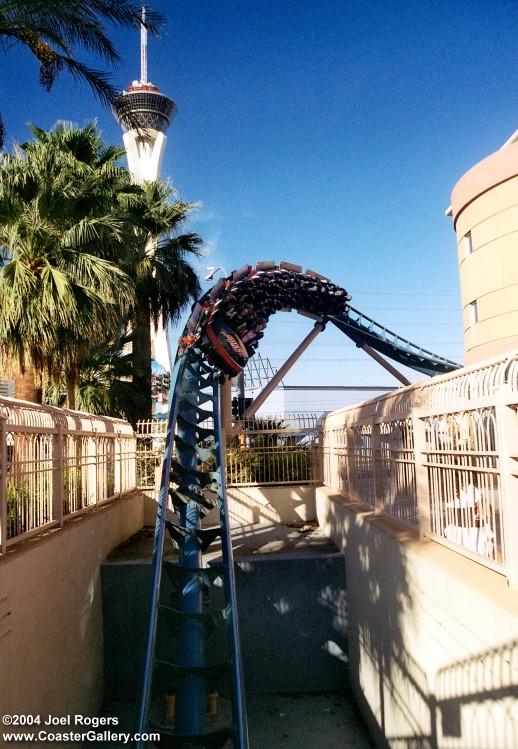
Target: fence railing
{"type": "Point", "coordinates": [55, 464]}
{"type": "Point", "coordinates": [151, 436]}
{"type": "Point", "coordinates": [441, 456]}
{"type": "Point", "coordinates": [268, 450]}
{"type": "Point", "coordinates": [274, 450]}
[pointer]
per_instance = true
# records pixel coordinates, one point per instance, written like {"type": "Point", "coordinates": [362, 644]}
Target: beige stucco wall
{"type": "Point", "coordinates": [271, 504]}
{"type": "Point", "coordinates": [433, 636]}
{"type": "Point", "coordinates": [257, 504]}
{"type": "Point", "coordinates": [51, 645]}
{"type": "Point", "coordinates": [485, 203]}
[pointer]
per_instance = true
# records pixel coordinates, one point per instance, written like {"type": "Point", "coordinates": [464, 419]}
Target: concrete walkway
{"type": "Point", "coordinates": [306, 721]}
{"type": "Point", "coordinates": [247, 540]}
{"type": "Point", "coordinates": [281, 721]}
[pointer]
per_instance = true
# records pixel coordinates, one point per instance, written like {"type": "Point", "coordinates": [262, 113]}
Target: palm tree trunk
{"type": "Point", "coordinates": [142, 360]}
{"type": "Point", "coordinates": [73, 375]}
{"type": "Point", "coordinates": [27, 386]}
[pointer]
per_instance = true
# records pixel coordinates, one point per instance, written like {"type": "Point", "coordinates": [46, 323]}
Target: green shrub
{"type": "Point", "coordinates": [17, 504]}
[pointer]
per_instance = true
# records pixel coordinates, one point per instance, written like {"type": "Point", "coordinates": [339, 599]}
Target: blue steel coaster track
{"type": "Point", "coordinates": [223, 331]}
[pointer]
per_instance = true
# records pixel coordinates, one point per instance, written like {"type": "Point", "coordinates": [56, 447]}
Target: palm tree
{"type": "Point", "coordinates": [106, 385]}
{"type": "Point", "coordinates": [155, 254]}
{"type": "Point", "coordinates": [87, 254]}
{"type": "Point", "coordinates": [52, 29]}
{"type": "Point", "coordinates": [158, 264]}
{"type": "Point", "coordinates": [106, 382]}
{"type": "Point", "coordinates": [60, 291]}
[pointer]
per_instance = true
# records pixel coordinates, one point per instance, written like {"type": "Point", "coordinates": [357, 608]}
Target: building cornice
{"type": "Point", "coordinates": [495, 169]}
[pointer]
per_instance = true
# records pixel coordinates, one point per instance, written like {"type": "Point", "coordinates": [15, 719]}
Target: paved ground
{"type": "Point", "coordinates": [247, 540]}
{"type": "Point", "coordinates": [282, 721]}
{"type": "Point", "coordinates": [306, 721]}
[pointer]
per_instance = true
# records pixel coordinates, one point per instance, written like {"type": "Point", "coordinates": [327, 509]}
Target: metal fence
{"type": "Point", "coordinates": [268, 450]}
{"type": "Point", "coordinates": [274, 450]}
{"type": "Point", "coordinates": [441, 456]}
{"type": "Point", "coordinates": [55, 464]}
{"type": "Point", "coordinates": [151, 436]}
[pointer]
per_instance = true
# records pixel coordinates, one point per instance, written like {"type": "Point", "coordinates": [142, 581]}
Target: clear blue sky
{"type": "Point", "coordinates": [326, 134]}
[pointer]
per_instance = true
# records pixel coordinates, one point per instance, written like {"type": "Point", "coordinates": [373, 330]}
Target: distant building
{"type": "Point", "coordinates": [144, 113]}
{"type": "Point", "coordinates": [317, 399]}
{"type": "Point", "coordinates": [485, 217]}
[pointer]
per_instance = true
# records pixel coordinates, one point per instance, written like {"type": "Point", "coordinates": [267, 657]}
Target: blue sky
{"type": "Point", "coordinates": [326, 134]}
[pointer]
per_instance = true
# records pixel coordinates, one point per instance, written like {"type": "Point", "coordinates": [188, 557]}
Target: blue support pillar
{"type": "Point", "coordinates": [191, 689]}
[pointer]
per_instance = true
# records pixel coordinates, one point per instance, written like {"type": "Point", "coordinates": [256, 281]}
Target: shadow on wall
{"type": "Point", "coordinates": [244, 510]}
{"type": "Point", "coordinates": [470, 704]}
{"type": "Point", "coordinates": [378, 596]}
{"type": "Point", "coordinates": [273, 504]}
{"type": "Point", "coordinates": [488, 679]}
{"type": "Point", "coordinates": [293, 623]}
{"type": "Point", "coordinates": [292, 616]}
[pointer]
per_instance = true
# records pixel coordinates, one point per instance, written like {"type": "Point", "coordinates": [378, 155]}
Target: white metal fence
{"type": "Point", "coordinates": [55, 464]}
{"type": "Point", "coordinates": [274, 450]}
{"type": "Point", "coordinates": [151, 436]}
{"type": "Point", "coordinates": [441, 456]}
{"type": "Point", "coordinates": [267, 450]}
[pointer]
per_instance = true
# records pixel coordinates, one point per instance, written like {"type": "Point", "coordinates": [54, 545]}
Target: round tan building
{"type": "Point", "coordinates": [485, 217]}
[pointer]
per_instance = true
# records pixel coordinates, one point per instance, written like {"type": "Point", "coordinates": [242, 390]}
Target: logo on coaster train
{"type": "Point", "coordinates": [227, 348]}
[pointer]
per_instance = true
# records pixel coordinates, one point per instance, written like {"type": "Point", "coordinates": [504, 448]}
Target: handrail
{"type": "Point", "coordinates": [56, 464]}
{"type": "Point", "coordinates": [440, 455]}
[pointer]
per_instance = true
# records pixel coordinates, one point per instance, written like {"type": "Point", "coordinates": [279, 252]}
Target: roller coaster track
{"type": "Point", "coordinates": [365, 331]}
{"type": "Point", "coordinates": [223, 331]}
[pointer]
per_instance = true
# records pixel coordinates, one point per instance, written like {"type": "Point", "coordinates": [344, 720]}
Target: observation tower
{"type": "Point", "coordinates": [145, 113]}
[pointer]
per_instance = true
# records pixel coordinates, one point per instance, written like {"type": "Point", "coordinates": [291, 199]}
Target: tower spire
{"type": "Point", "coordinates": [143, 47]}
{"type": "Point", "coordinates": [142, 106]}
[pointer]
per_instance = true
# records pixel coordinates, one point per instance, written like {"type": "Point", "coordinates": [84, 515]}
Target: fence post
{"type": "Point", "coordinates": [318, 457]}
{"type": "Point", "coordinates": [421, 470]}
{"type": "Point", "coordinates": [118, 452]}
{"type": "Point", "coordinates": [58, 477]}
{"type": "Point", "coordinates": [3, 482]}
{"type": "Point", "coordinates": [377, 466]}
{"type": "Point", "coordinates": [342, 461]}
{"type": "Point", "coordinates": [132, 478]}
{"type": "Point", "coordinates": [92, 468]}
{"type": "Point", "coordinates": [507, 446]}
{"type": "Point", "coordinates": [351, 459]}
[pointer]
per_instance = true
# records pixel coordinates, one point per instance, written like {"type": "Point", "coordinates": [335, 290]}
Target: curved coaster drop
{"type": "Point", "coordinates": [222, 333]}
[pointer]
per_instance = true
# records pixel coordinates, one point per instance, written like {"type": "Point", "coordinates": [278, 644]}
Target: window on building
{"type": "Point", "coordinates": [468, 244]}
{"type": "Point", "coordinates": [473, 313]}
